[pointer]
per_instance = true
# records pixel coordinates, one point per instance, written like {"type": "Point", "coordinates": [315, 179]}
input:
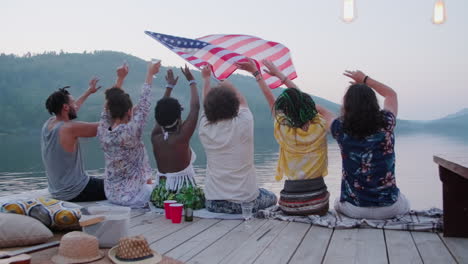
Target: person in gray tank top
{"type": "Point", "coordinates": [60, 147]}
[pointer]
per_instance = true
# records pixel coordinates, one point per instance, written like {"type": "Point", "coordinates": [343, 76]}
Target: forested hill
{"type": "Point", "coordinates": [26, 82]}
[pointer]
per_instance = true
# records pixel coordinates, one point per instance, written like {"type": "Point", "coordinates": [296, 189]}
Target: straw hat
{"type": "Point", "coordinates": [133, 250]}
{"type": "Point", "coordinates": [77, 247]}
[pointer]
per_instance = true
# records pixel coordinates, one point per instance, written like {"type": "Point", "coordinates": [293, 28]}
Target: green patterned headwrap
{"type": "Point", "coordinates": [296, 107]}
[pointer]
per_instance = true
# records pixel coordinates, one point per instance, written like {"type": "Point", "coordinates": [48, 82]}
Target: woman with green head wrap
{"type": "Point", "coordinates": [301, 131]}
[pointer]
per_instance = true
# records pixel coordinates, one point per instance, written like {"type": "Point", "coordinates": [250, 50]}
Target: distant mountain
{"type": "Point", "coordinates": [25, 83]}
{"type": "Point", "coordinates": [454, 125]}
{"type": "Point", "coordinates": [457, 114]}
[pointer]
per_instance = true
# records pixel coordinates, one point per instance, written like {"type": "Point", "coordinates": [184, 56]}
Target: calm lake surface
{"type": "Point", "coordinates": [416, 174]}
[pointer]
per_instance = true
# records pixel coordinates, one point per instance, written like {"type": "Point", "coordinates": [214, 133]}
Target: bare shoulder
{"type": "Point", "coordinates": [173, 141]}
{"type": "Point", "coordinates": [51, 122]}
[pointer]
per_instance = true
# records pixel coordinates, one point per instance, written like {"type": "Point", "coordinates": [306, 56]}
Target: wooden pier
{"type": "Point", "coordinates": [208, 241]}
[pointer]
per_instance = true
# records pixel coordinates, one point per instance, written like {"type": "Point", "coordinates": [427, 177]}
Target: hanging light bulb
{"type": "Point", "coordinates": [349, 10]}
{"type": "Point", "coordinates": [439, 16]}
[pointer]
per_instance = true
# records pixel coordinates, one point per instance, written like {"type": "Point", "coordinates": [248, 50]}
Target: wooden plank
{"type": "Point", "coordinates": [137, 212]}
{"type": "Point", "coordinates": [228, 243]}
{"type": "Point", "coordinates": [162, 228]}
{"type": "Point", "coordinates": [143, 219]}
{"type": "Point", "coordinates": [401, 247]}
{"type": "Point", "coordinates": [455, 163]}
{"type": "Point", "coordinates": [173, 240]}
{"type": "Point", "coordinates": [458, 247]}
{"type": "Point", "coordinates": [44, 257]}
{"type": "Point", "coordinates": [198, 243]}
{"type": "Point", "coordinates": [360, 245]}
{"type": "Point", "coordinates": [146, 223]}
{"type": "Point", "coordinates": [431, 248]}
{"type": "Point", "coordinates": [313, 247]}
{"type": "Point", "coordinates": [255, 244]}
{"type": "Point", "coordinates": [282, 248]}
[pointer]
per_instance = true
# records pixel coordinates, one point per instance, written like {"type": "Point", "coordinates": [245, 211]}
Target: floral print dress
{"type": "Point", "coordinates": [127, 167]}
{"type": "Point", "coordinates": [368, 165]}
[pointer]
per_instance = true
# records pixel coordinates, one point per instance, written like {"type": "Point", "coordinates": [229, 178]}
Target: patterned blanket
{"type": "Point", "coordinates": [427, 220]}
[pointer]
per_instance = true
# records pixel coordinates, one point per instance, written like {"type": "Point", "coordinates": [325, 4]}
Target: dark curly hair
{"type": "Point", "coordinates": [296, 107]}
{"type": "Point", "coordinates": [118, 103]}
{"type": "Point", "coordinates": [56, 100]}
{"type": "Point", "coordinates": [361, 113]}
{"type": "Point", "coordinates": [221, 103]}
{"type": "Point", "coordinates": [167, 111]}
{"type": "Point", "coordinates": [113, 91]}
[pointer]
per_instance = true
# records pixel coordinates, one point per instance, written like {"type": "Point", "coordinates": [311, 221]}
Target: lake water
{"type": "Point", "coordinates": [416, 173]}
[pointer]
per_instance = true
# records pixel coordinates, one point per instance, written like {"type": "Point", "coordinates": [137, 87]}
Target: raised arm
{"type": "Point", "coordinates": [71, 131]}
{"type": "Point", "coordinates": [141, 110]}
{"type": "Point", "coordinates": [153, 69]}
{"type": "Point", "coordinates": [81, 129]}
{"type": "Point", "coordinates": [274, 71]}
{"type": "Point", "coordinates": [327, 114]}
{"type": "Point", "coordinates": [390, 96]}
{"type": "Point", "coordinates": [171, 82]}
{"type": "Point", "coordinates": [189, 125]}
{"type": "Point", "coordinates": [251, 67]}
{"type": "Point", "coordinates": [206, 75]}
{"type": "Point", "coordinates": [91, 89]}
{"type": "Point", "coordinates": [122, 72]}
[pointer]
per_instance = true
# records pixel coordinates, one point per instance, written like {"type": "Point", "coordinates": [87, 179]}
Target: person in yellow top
{"type": "Point", "coordinates": [300, 128]}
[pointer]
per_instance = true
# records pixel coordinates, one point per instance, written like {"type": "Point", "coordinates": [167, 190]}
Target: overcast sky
{"type": "Point", "coordinates": [391, 41]}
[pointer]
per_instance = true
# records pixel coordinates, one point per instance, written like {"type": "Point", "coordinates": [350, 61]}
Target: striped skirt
{"type": "Point", "coordinates": [304, 197]}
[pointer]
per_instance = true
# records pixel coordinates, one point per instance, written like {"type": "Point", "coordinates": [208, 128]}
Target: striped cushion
{"type": "Point", "coordinates": [305, 202]}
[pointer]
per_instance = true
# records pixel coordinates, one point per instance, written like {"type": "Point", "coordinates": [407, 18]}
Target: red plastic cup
{"type": "Point", "coordinates": [176, 212]}
{"type": "Point", "coordinates": [167, 210]}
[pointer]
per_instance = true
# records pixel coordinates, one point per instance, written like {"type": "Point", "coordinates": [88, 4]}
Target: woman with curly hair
{"type": "Point", "coordinates": [226, 132]}
{"type": "Point", "coordinates": [365, 135]}
{"type": "Point", "coordinates": [300, 128]}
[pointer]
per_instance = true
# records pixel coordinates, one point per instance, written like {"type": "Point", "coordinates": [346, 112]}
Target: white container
{"type": "Point", "coordinates": [114, 227]}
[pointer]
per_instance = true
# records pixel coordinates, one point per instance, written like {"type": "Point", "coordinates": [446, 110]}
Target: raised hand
{"type": "Point", "coordinates": [248, 65]}
{"type": "Point", "coordinates": [153, 68]}
{"type": "Point", "coordinates": [206, 72]}
{"type": "Point", "coordinates": [92, 85]}
{"type": "Point", "coordinates": [186, 71]}
{"type": "Point", "coordinates": [357, 76]}
{"type": "Point", "coordinates": [170, 78]}
{"type": "Point", "coordinates": [272, 69]}
{"type": "Point", "coordinates": [122, 71]}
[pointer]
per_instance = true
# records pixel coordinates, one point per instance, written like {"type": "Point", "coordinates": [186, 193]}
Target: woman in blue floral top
{"type": "Point", "coordinates": [365, 135]}
{"type": "Point", "coordinates": [128, 173]}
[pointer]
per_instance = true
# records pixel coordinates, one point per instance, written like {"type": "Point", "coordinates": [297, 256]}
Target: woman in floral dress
{"type": "Point", "coordinates": [365, 135]}
{"type": "Point", "coordinates": [128, 173]}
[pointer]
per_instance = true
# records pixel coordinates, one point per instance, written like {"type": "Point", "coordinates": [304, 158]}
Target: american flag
{"type": "Point", "coordinates": [223, 51]}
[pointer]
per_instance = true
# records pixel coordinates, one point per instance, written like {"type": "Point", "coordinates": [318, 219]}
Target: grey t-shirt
{"type": "Point", "coordinates": [64, 170]}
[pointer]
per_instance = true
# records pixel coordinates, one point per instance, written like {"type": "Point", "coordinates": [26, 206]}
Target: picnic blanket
{"type": "Point", "coordinates": [201, 213]}
{"type": "Point", "coordinates": [416, 220]}
{"type": "Point", "coordinates": [425, 220]}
